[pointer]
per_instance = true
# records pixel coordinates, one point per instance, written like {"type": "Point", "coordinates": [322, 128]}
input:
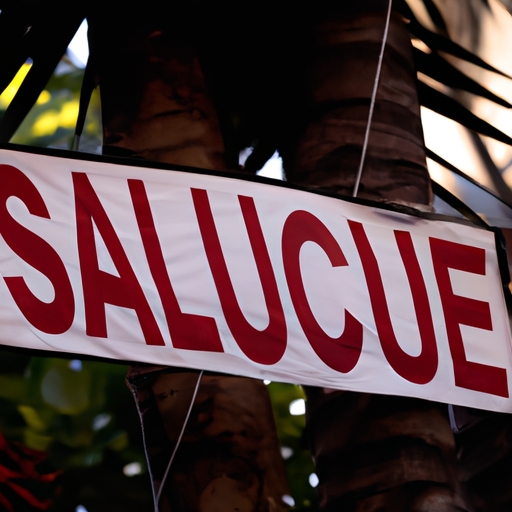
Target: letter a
{"type": "Point", "coordinates": [100, 287]}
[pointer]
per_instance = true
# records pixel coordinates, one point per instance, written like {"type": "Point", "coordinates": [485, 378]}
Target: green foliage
{"type": "Point", "coordinates": [82, 414]}
{"type": "Point", "coordinates": [52, 120]}
{"type": "Point", "coordinates": [290, 429]}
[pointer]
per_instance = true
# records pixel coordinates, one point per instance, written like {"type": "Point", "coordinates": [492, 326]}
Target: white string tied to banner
{"type": "Point", "coordinates": [176, 446]}
{"type": "Point", "coordinates": [372, 102]}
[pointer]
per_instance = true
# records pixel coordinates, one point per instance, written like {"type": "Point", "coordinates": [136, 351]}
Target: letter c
{"type": "Point", "coordinates": [341, 353]}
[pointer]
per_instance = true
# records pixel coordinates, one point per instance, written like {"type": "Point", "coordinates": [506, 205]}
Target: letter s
{"type": "Point", "coordinates": [53, 317]}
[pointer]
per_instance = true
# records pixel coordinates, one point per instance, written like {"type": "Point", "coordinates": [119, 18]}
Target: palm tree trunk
{"type": "Point", "coordinates": [156, 106]}
{"type": "Point", "coordinates": [342, 48]}
{"type": "Point", "coordinates": [229, 458]}
{"type": "Point", "coordinates": [372, 452]}
{"type": "Point", "coordinates": [485, 452]}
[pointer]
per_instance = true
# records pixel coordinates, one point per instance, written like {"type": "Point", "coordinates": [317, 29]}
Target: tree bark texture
{"type": "Point", "coordinates": [156, 106]}
{"type": "Point", "coordinates": [383, 453]}
{"type": "Point", "coordinates": [341, 54]}
{"type": "Point", "coordinates": [227, 457]}
{"type": "Point", "coordinates": [485, 453]}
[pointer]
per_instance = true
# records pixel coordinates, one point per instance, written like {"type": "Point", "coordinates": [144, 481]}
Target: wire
{"type": "Point", "coordinates": [372, 103]}
{"type": "Point", "coordinates": [134, 393]}
{"type": "Point", "coordinates": [196, 389]}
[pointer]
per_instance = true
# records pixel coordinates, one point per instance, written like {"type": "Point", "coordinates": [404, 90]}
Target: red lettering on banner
{"type": "Point", "coordinates": [53, 317]}
{"type": "Point", "coordinates": [267, 346]}
{"type": "Point", "coordinates": [419, 369]}
{"type": "Point", "coordinates": [188, 331]}
{"type": "Point", "coordinates": [341, 353]}
{"type": "Point", "coordinates": [100, 287]}
{"type": "Point", "coordinates": [460, 310]}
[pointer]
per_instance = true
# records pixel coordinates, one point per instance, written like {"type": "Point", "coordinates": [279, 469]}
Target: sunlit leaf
{"type": "Point", "coordinates": [45, 38]}
{"type": "Point", "coordinates": [11, 90]}
{"type": "Point", "coordinates": [46, 124]}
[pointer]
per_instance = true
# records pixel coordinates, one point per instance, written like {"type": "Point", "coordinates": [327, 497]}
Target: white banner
{"type": "Point", "coordinates": [202, 271]}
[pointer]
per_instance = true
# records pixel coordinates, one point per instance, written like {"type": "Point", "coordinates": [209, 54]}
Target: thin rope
{"type": "Point", "coordinates": [157, 498]}
{"type": "Point", "coordinates": [134, 393]}
{"type": "Point", "coordinates": [372, 103]}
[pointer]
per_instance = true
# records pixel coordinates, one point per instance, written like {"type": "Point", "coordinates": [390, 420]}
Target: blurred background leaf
{"type": "Point", "coordinates": [81, 413]}
{"type": "Point", "coordinates": [52, 120]}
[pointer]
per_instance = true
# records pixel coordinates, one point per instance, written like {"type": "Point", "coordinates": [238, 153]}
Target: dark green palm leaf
{"type": "Point", "coordinates": [434, 66]}
{"type": "Point", "coordinates": [13, 45]}
{"type": "Point", "coordinates": [88, 85]}
{"type": "Point", "coordinates": [45, 42]}
{"type": "Point", "coordinates": [26, 97]}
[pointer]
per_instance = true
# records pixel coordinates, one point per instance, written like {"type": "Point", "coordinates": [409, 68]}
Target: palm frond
{"type": "Point", "coordinates": [507, 4]}
{"type": "Point", "coordinates": [455, 204]}
{"type": "Point", "coordinates": [440, 43]}
{"type": "Point", "coordinates": [88, 84]}
{"type": "Point", "coordinates": [38, 33]}
{"type": "Point", "coordinates": [473, 194]}
{"type": "Point", "coordinates": [435, 15]}
{"type": "Point", "coordinates": [434, 66]}
{"type": "Point", "coordinates": [448, 107]}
